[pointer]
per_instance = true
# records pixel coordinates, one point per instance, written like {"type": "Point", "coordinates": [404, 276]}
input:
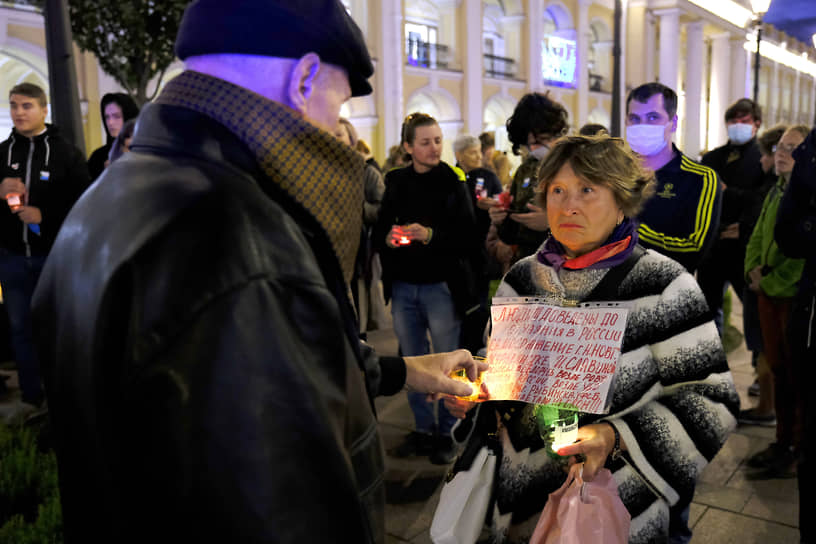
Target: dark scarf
{"type": "Point", "coordinates": [310, 165]}
{"type": "Point", "coordinates": [612, 252]}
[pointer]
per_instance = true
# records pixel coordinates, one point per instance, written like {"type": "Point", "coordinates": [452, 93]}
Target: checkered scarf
{"type": "Point", "coordinates": [310, 165]}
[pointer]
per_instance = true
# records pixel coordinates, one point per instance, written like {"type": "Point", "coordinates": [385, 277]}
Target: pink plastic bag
{"type": "Point", "coordinates": [591, 513]}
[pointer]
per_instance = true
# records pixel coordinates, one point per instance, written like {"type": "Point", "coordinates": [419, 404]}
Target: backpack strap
{"type": "Point", "coordinates": [607, 288]}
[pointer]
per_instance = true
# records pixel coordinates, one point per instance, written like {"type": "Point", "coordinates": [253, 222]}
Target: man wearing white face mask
{"type": "Point", "coordinates": [681, 219]}
{"type": "Point", "coordinates": [737, 163]}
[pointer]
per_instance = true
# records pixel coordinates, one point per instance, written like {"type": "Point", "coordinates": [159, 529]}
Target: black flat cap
{"type": "Point", "coordinates": [277, 28]}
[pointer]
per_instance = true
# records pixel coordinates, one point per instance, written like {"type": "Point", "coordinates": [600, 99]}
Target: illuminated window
{"type": "Point", "coordinates": [422, 47]}
{"type": "Point", "coordinates": [559, 51]}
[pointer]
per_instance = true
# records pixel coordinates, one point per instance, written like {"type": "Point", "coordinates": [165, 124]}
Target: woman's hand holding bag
{"type": "Point", "coordinates": [584, 513]}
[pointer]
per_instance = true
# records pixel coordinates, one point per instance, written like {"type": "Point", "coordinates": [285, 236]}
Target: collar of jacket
{"type": "Point", "coordinates": [321, 174]}
{"type": "Point", "coordinates": [50, 131]}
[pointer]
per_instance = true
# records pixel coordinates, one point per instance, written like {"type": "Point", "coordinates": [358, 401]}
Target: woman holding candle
{"type": "Point", "coordinates": [673, 401]}
{"type": "Point", "coordinates": [425, 232]}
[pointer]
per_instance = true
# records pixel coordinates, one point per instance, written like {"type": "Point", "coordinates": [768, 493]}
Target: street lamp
{"type": "Point", "coordinates": [759, 7]}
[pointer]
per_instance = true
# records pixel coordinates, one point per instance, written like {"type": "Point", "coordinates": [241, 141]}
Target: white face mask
{"type": "Point", "coordinates": [540, 152]}
{"type": "Point", "coordinates": [646, 140]}
{"type": "Point", "coordinates": [740, 133]}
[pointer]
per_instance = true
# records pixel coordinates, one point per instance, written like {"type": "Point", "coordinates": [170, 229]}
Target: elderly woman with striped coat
{"type": "Point", "coordinates": [673, 400]}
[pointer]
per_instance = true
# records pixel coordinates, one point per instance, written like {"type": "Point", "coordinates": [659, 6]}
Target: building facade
{"type": "Point", "coordinates": [467, 63]}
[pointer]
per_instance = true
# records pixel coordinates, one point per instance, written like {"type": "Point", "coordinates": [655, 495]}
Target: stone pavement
{"type": "Point", "coordinates": [727, 508]}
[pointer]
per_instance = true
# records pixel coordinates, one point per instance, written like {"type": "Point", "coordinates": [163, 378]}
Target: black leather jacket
{"type": "Point", "coordinates": [203, 372]}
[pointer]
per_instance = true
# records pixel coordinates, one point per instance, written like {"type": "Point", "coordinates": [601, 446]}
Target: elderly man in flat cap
{"type": "Point", "coordinates": [203, 371]}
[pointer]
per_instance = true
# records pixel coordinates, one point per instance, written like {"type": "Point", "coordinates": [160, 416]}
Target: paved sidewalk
{"type": "Point", "coordinates": [727, 508]}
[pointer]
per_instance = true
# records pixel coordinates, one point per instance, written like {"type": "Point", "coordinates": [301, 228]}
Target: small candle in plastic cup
{"type": "Point", "coordinates": [14, 200]}
{"type": "Point", "coordinates": [404, 240]}
{"type": "Point", "coordinates": [557, 425]}
{"type": "Point", "coordinates": [460, 375]}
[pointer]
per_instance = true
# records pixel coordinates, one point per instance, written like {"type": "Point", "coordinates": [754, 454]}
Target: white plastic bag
{"type": "Point", "coordinates": [460, 514]}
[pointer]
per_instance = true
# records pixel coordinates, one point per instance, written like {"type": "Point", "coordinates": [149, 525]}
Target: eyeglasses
{"type": "Point", "coordinates": [784, 148]}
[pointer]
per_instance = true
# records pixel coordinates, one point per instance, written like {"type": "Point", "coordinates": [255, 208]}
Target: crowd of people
{"type": "Point", "coordinates": [193, 318]}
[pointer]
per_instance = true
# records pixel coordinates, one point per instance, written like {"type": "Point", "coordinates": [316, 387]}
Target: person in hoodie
{"type": "Point", "coordinates": [43, 175]}
{"type": "Point", "coordinates": [117, 109]}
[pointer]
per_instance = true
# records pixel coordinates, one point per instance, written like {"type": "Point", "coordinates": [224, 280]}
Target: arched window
{"type": "Point", "coordinates": [599, 61]}
{"type": "Point", "coordinates": [496, 61]}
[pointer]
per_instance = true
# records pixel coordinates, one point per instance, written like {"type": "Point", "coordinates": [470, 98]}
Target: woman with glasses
{"type": "Point", "coordinates": [774, 277]}
{"type": "Point", "coordinates": [425, 235]}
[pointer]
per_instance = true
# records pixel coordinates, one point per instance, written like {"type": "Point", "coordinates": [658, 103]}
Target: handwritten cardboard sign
{"type": "Point", "coordinates": [544, 354]}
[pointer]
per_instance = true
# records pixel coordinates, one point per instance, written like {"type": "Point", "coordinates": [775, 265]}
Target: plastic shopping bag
{"type": "Point", "coordinates": [464, 501]}
{"type": "Point", "coordinates": [588, 513]}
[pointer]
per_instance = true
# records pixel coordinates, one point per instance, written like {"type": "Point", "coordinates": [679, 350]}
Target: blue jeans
{"type": "Point", "coordinates": [418, 308]}
{"type": "Point", "coordinates": [18, 277]}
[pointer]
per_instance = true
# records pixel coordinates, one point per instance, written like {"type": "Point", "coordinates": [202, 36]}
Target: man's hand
{"type": "Point", "coordinates": [730, 232]}
{"type": "Point", "coordinates": [595, 443]}
{"type": "Point", "coordinates": [497, 214]}
{"type": "Point", "coordinates": [12, 185]}
{"type": "Point", "coordinates": [535, 219]}
{"type": "Point", "coordinates": [460, 407]}
{"type": "Point", "coordinates": [29, 215]}
{"type": "Point", "coordinates": [754, 276]}
{"type": "Point", "coordinates": [431, 373]}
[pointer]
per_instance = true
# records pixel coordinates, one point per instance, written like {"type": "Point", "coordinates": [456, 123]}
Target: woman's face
{"type": "Point", "coordinates": [581, 214]}
{"type": "Point", "coordinates": [114, 119]}
{"type": "Point", "coordinates": [426, 150]}
{"type": "Point", "coordinates": [470, 158]}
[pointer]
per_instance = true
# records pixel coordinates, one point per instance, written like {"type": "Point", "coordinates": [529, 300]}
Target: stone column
{"type": "Point", "coordinates": [694, 85]}
{"type": "Point", "coordinates": [741, 83]}
{"type": "Point", "coordinates": [812, 103]}
{"type": "Point", "coordinates": [447, 31]}
{"type": "Point", "coordinates": [795, 98]}
{"type": "Point", "coordinates": [535, 13]}
{"type": "Point", "coordinates": [720, 95]}
{"type": "Point", "coordinates": [474, 68]}
{"type": "Point", "coordinates": [389, 72]}
{"type": "Point", "coordinates": [774, 92]}
{"type": "Point", "coordinates": [583, 55]}
{"type": "Point", "coordinates": [511, 30]}
{"type": "Point", "coordinates": [669, 46]}
{"type": "Point", "coordinates": [651, 48]}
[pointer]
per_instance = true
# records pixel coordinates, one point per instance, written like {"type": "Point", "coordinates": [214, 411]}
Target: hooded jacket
{"type": "Point", "coordinates": [96, 163]}
{"type": "Point", "coordinates": [55, 174]}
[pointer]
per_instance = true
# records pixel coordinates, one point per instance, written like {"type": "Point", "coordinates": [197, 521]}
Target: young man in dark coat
{"type": "Point", "coordinates": [43, 175]}
{"type": "Point", "coordinates": [204, 372]}
{"type": "Point", "coordinates": [737, 164]}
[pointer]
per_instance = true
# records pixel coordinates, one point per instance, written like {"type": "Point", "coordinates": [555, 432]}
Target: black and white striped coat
{"type": "Point", "coordinates": [674, 401]}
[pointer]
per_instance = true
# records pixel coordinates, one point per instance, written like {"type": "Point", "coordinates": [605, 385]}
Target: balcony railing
{"type": "Point", "coordinates": [428, 55]}
{"type": "Point", "coordinates": [598, 83]}
{"type": "Point", "coordinates": [501, 67]}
